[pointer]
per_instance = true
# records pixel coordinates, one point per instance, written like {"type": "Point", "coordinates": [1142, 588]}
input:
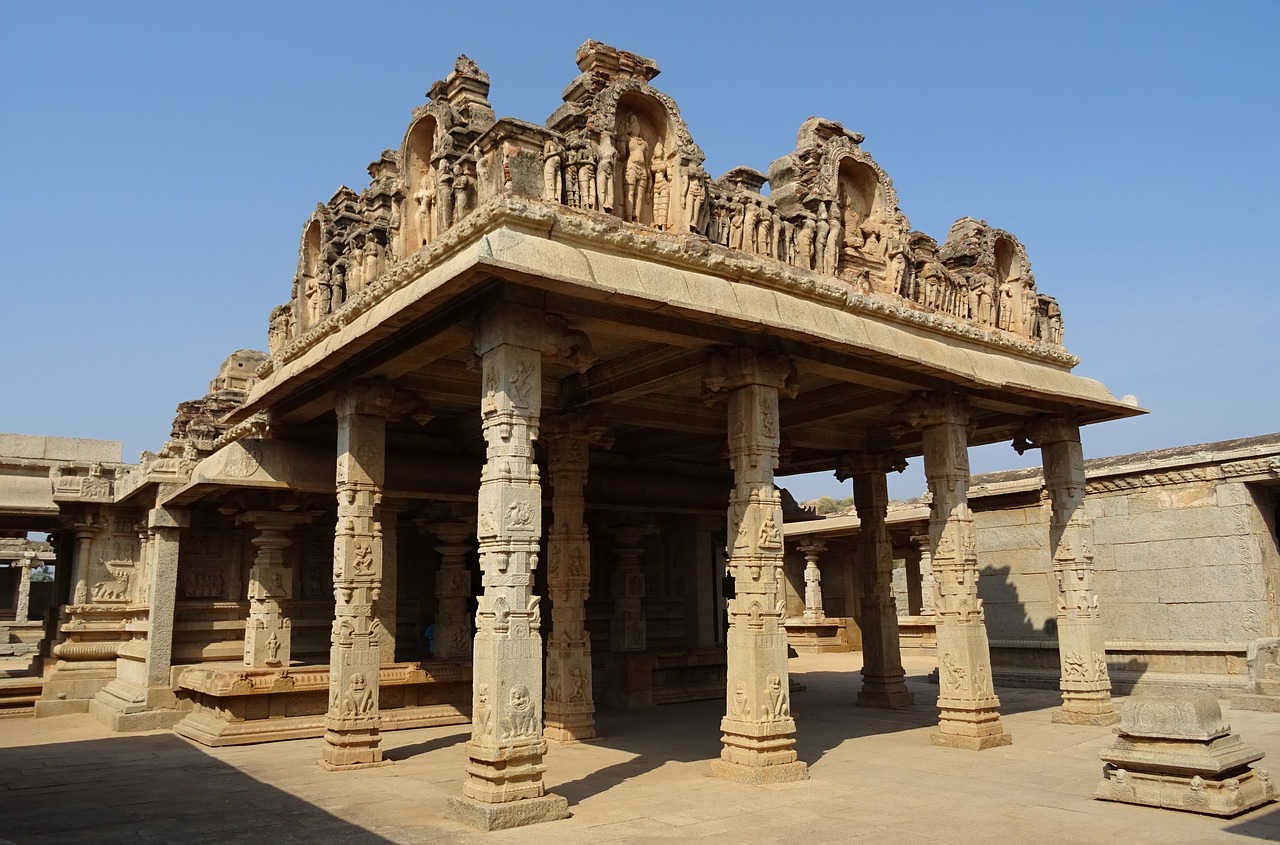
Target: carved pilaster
{"type": "Point", "coordinates": [85, 532]}
{"type": "Point", "coordinates": [504, 777]}
{"type": "Point", "coordinates": [23, 608]}
{"type": "Point", "coordinates": [268, 632]}
{"type": "Point", "coordinates": [1085, 682]}
{"type": "Point", "coordinates": [925, 566]}
{"type": "Point", "coordinates": [883, 679]}
{"type": "Point", "coordinates": [758, 731]}
{"type": "Point", "coordinates": [453, 589]}
{"type": "Point", "coordinates": [970, 717]}
{"type": "Point", "coordinates": [627, 629]}
{"type": "Point", "coordinates": [570, 702]}
{"type": "Point", "coordinates": [352, 725]}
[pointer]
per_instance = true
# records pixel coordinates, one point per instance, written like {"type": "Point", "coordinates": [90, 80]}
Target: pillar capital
{"type": "Point", "coordinates": [925, 409]}
{"type": "Point", "coordinates": [1045, 430]}
{"type": "Point", "coordinates": [730, 369]}
{"type": "Point", "coordinates": [868, 463]}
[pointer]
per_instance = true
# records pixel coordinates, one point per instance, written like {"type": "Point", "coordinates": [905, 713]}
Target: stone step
{"type": "Point", "coordinates": [18, 696]}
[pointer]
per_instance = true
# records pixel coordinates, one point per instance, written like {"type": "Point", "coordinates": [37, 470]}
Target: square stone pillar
{"type": "Point", "coordinates": [1085, 682]}
{"type": "Point", "coordinates": [924, 563]}
{"type": "Point", "coordinates": [22, 609]}
{"type": "Point", "coordinates": [453, 623]}
{"type": "Point", "coordinates": [351, 737]}
{"type": "Point", "coordinates": [165, 526]}
{"type": "Point", "coordinates": [504, 785]}
{"type": "Point", "coordinates": [758, 731]}
{"type": "Point", "coordinates": [628, 630]}
{"type": "Point", "coordinates": [970, 716]}
{"type": "Point", "coordinates": [883, 679]}
{"type": "Point", "coordinates": [388, 594]}
{"type": "Point", "coordinates": [268, 632]}
{"type": "Point", "coordinates": [570, 702]}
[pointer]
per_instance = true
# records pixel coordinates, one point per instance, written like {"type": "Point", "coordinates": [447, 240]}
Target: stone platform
{"type": "Point", "coordinates": [234, 705]}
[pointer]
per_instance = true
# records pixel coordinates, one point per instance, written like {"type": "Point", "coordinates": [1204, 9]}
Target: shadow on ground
{"type": "Point", "coordinates": [104, 791]}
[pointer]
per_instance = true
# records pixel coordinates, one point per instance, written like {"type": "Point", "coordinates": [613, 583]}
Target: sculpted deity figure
{"type": "Point", "coordinates": [461, 192]}
{"type": "Point", "coordinates": [1054, 319]}
{"type": "Point", "coordinates": [661, 170]}
{"type": "Point", "coordinates": [1029, 310]}
{"type": "Point", "coordinates": [586, 178]}
{"type": "Point", "coordinates": [424, 200]}
{"type": "Point", "coordinates": [1010, 305]}
{"type": "Point", "coordinates": [764, 233]}
{"type": "Point", "coordinates": [750, 225]}
{"type": "Point", "coordinates": [695, 198]}
{"type": "Point", "coordinates": [786, 239]}
{"type": "Point", "coordinates": [444, 197]}
{"type": "Point", "coordinates": [835, 240]}
{"type": "Point", "coordinates": [804, 244]}
{"type": "Point", "coordinates": [737, 223]}
{"type": "Point", "coordinates": [606, 161]}
{"type": "Point", "coordinates": [935, 279]}
{"type": "Point", "coordinates": [820, 241]}
{"type": "Point", "coordinates": [896, 281]}
{"type": "Point", "coordinates": [373, 257]}
{"type": "Point", "coordinates": [358, 699]}
{"type": "Point", "coordinates": [552, 190]}
{"type": "Point", "coordinates": [636, 172]}
{"type": "Point", "coordinates": [571, 176]}
{"type": "Point", "coordinates": [984, 286]}
{"type": "Point", "coordinates": [874, 231]}
{"type": "Point", "coordinates": [312, 294]}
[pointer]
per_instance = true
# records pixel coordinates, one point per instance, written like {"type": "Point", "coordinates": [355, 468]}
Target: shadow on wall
{"type": "Point", "coordinates": [1024, 654]}
{"type": "Point", "coordinates": [106, 790]}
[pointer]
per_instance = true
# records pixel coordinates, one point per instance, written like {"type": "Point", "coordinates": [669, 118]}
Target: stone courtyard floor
{"type": "Point", "coordinates": [875, 778]}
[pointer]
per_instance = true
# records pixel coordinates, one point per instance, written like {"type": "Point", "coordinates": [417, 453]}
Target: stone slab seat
{"type": "Point", "coordinates": [237, 705]}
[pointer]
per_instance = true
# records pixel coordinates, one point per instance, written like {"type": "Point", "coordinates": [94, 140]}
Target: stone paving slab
{"type": "Point", "coordinates": [874, 778]}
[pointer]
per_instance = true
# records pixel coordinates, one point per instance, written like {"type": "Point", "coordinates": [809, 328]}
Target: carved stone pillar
{"type": "Point", "coordinates": [85, 532]}
{"type": "Point", "coordinates": [165, 528]}
{"type": "Point", "coordinates": [925, 566]}
{"type": "Point", "coordinates": [504, 785]}
{"type": "Point", "coordinates": [970, 717]}
{"type": "Point", "coordinates": [268, 633]}
{"type": "Point", "coordinates": [758, 731]}
{"type": "Point", "coordinates": [570, 703]}
{"type": "Point", "coordinates": [453, 590]}
{"type": "Point", "coordinates": [351, 737]}
{"type": "Point", "coordinates": [883, 679]}
{"type": "Point", "coordinates": [22, 610]}
{"type": "Point", "coordinates": [813, 550]}
{"type": "Point", "coordinates": [627, 630]}
{"type": "Point", "coordinates": [1086, 684]}
{"type": "Point", "coordinates": [384, 608]}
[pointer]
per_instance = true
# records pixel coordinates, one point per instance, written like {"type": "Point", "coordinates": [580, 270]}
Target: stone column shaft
{"type": "Point", "coordinates": [268, 633]}
{"type": "Point", "coordinates": [758, 730]}
{"type": "Point", "coordinates": [628, 630]}
{"type": "Point", "coordinates": [813, 582]}
{"type": "Point", "coordinates": [970, 717]}
{"type": "Point", "coordinates": [1085, 682]}
{"type": "Point", "coordinates": [925, 565]}
{"type": "Point", "coordinates": [453, 623]}
{"type": "Point", "coordinates": [352, 738]}
{"type": "Point", "coordinates": [570, 702]}
{"type": "Point", "coordinates": [165, 526]}
{"type": "Point", "coordinates": [504, 776]}
{"type": "Point", "coordinates": [883, 679]}
{"type": "Point", "coordinates": [85, 532]}
{"type": "Point", "coordinates": [385, 606]}
{"type": "Point", "coordinates": [22, 611]}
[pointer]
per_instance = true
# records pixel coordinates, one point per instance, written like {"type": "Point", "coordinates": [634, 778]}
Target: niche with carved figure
{"type": "Point", "coordinates": [310, 311]}
{"type": "Point", "coordinates": [419, 218]}
{"type": "Point", "coordinates": [1014, 298]}
{"type": "Point", "coordinates": [644, 187]}
{"type": "Point", "coordinates": [861, 216]}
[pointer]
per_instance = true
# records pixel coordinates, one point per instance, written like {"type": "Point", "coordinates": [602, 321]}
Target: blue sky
{"type": "Point", "coordinates": [161, 158]}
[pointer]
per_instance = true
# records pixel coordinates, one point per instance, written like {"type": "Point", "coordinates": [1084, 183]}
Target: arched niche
{"type": "Point", "coordinates": [647, 162]}
{"type": "Point", "coordinates": [418, 219]}
{"type": "Point", "coordinates": [309, 258]}
{"type": "Point", "coordinates": [1007, 264]}
{"type": "Point", "coordinates": [857, 192]}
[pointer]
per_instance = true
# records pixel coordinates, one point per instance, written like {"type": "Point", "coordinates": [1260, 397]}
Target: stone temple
{"type": "Point", "coordinates": [513, 452]}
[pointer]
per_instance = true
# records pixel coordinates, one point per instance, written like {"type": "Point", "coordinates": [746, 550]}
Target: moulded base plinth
{"type": "Point", "coordinates": [485, 816]}
{"type": "Point", "coordinates": [779, 773]}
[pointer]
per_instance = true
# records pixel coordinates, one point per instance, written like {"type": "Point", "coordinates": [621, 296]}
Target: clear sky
{"type": "Point", "coordinates": [160, 160]}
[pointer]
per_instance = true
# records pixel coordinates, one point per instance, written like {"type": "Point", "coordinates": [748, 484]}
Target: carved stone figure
{"type": "Point", "coordinates": [586, 176]}
{"type": "Point", "coordinates": [522, 715]}
{"type": "Point", "coordinates": [461, 192]}
{"type": "Point", "coordinates": [358, 700]}
{"type": "Point", "coordinates": [661, 187]}
{"type": "Point", "coordinates": [606, 163]}
{"type": "Point", "coordinates": [820, 241]}
{"type": "Point", "coordinates": [636, 173]}
{"type": "Point", "coordinates": [737, 223]}
{"type": "Point", "coordinates": [552, 188]}
{"type": "Point", "coordinates": [750, 225]}
{"type": "Point", "coordinates": [804, 244]}
{"type": "Point", "coordinates": [831, 250]}
{"type": "Point", "coordinates": [695, 199]}
{"type": "Point", "coordinates": [424, 200]}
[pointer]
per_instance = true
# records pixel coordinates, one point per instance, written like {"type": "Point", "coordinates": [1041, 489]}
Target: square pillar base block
{"type": "Point", "coordinates": [485, 816]}
{"type": "Point", "coordinates": [758, 775]}
{"type": "Point", "coordinates": [894, 700]}
{"type": "Point", "coordinates": [971, 743]}
{"type": "Point", "coordinates": [1063, 716]}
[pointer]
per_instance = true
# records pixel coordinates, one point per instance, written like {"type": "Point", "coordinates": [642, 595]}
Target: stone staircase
{"type": "Point", "coordinates": [18, 695]}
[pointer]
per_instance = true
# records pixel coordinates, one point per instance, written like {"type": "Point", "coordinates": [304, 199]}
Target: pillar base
{"type": "Point", "coordinates": [889, 699]}
{"type": "Point", "coordinates": [351, 747]}
{"type": "Point", "coordinates": [1063, 716]}
{"type": "Point", "coordinates": [485, 816]}
{"type": "Point", "coordinates": [566, 734]}
{"type": "Point", "coordinates": [351, 767]}
{"type": "Point", "coordinates": [971, 743]}
{"type": "Point", "coordinates": [758, 775]}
